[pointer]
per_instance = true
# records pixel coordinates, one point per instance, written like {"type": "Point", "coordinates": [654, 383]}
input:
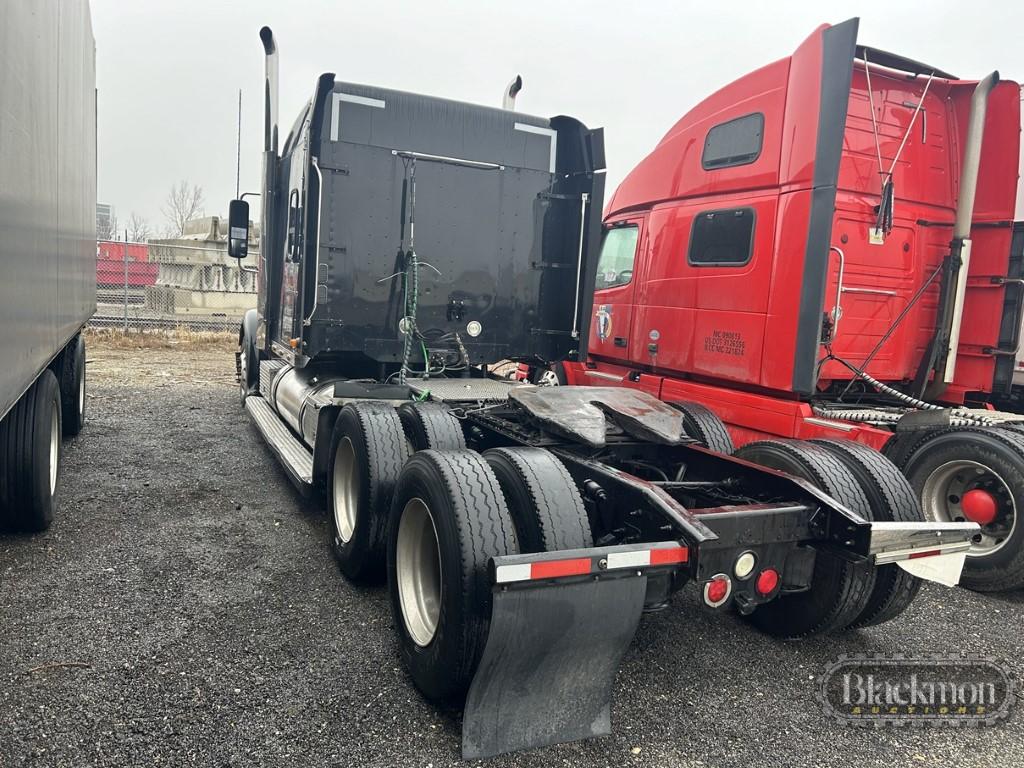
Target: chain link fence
{"type": "Point", "coordinates": [187, 283]}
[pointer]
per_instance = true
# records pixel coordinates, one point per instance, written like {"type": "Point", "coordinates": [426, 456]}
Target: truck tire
{"type": "Point", "coordinates": [945, 465]}
{"type": "Point", "coordinates": [368, 451]}
{"type": "Point", "coordinates": [840, 589]}
{"type": "Point", "coordinates": [447, 518]}
{"type": "Point", "coordinates": [431, 425]}
{"type": "Point", "coordinates": [891, 500]}
{"type": "Point", "coordinates": [247, 365]}
{"type": "Point", "coordinates": [30, 449]}
{"type": "Point", "coordinates": [898, 447]}
{"type": "Point", "coordinates": [542, 499]}
{"type": "Point", "coordinates": [72, 387]}
{"type": "Point", "coordinates": [704, 426]}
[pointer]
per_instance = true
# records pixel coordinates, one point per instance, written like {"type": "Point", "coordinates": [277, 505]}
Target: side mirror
{"type": "Point", "coordinates": [238, 229]}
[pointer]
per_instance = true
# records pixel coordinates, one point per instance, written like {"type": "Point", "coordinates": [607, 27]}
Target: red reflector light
{"type": "Point", "coordinates": [666, 556]}
{"type": "Point", "coordinates": [767, 581]}
{"type": "Point", "coordinates": [555, 568]}
{"type": "Point", "coordinates": [929, 553]}
{"type": "Point", "coordinates": [717, 590]}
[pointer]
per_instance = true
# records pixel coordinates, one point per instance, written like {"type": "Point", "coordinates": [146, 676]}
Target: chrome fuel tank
{"type": "Point", "coordinates": [296, 391]}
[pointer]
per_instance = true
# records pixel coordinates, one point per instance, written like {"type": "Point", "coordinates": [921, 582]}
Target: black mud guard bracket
{"type": "Point", "coordinates": [548, 667]}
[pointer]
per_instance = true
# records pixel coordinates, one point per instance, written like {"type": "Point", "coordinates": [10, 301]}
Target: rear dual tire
{"type": "Point", "coordinates": [704, 426]}
{"type": "Point", "coordinates": [368, 450]}
{"type": "Point", "coordinates": [448, 517]}
{"type": "Point", "coordinates": [72, 387]}
{"type": "Point", "coordinates": [891, 499]}
{"type": "Point", "coordinates": [840, 590]}
{"type": "Point", "coordinates": [452, 511]}
{"type": "Point", "coordinates": [30, 454]}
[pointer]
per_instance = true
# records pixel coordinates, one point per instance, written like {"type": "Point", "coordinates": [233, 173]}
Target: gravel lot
{"type": "Point", "coordinates": [198, 595]}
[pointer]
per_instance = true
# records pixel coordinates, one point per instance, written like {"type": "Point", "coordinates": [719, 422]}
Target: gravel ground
{"type": "Point", "coordinates": [198, 594]}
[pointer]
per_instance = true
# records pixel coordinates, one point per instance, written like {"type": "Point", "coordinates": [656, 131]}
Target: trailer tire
{"type": "Point", "coordinates": [368, 450]}
{"type": "Point", "coordinates": [30, 451]}
{"type": "Point", "coordinates": [704, 426]}
{"type": "Point", "coordinates": [931, 468]}
{"type": "Point", "coordinates": [431, 425]}
{"type": "Point", "coordinates": [442, 608]}
{"type": "Point", "coordinates": [892, 500]}
{"type": "Point", "coordinates": [542, 499]}
{"type": "Point", "coordinates": [72, 387]}
{"type": "Point", "coordinates": [840, 589]}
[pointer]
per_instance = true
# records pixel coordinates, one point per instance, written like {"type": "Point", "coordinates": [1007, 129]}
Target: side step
{"type": "Point", "coordinates": [296, 459]}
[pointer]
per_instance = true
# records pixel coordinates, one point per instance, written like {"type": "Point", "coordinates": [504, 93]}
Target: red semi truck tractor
{"type": "Point", "coordinates": [827, 249]}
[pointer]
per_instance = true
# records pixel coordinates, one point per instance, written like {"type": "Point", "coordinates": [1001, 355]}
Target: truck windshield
{"type": "Point", "coordinates": [618, 251]}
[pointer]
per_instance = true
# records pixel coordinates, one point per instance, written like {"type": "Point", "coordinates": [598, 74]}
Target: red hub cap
{"type": "Point", "coordinates": [979, 506]}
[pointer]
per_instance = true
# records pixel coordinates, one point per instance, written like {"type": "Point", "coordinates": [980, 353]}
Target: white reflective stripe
{"type": "Point", "coordinates": [550, 133]}
{"type": "Point", "coordinates": [503, 574]}
{"type": "Point", "coordinates": [351, 98]}
{"type": "Point", "coordinates": [629, 559]}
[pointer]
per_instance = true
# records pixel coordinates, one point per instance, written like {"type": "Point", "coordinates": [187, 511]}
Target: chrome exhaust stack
{"type": "Point", "coordinates": [511, 91]}
{"type": "Point", "coordinates": [270, 146]}
{"type": "Point", "coordinates": [270, 67]}
{"type": "Point", "coordinates": [961, 245]}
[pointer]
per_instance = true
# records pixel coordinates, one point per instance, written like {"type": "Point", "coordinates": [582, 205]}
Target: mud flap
{"type": "Point", "coordinates": [548, 667]}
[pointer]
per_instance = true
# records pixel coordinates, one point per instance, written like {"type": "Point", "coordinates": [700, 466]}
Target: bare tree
{"type": "Point", "coordinates": [184, 203]}
{"type": "Point", "coordinates": [138, 228]}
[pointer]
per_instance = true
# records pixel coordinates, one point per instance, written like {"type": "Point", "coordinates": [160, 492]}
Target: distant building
{"type": "Point", "coordinates": [106, 222]}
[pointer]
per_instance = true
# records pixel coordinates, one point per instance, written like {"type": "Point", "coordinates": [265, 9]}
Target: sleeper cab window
{"type": "Point", "coordinates": [736, 142]}
{"type": "Point", "coordinates": [618, 252]}
{"type": "Point", "coordinates": [722, 238]}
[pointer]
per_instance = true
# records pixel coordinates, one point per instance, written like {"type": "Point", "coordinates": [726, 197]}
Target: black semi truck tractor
{"type": "Point", "coordinates": [47, 245]}
{"type": "Point", "coordinates": [410, 243]}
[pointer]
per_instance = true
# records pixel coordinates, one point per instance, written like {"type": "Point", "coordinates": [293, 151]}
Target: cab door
{"type": "Point", "coordinates": [615, 289]}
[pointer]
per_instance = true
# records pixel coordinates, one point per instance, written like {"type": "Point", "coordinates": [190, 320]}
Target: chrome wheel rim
{"type": "Point", "coordinates": [345, 489]}
{"type": "Point", "coordinates": [418, 572]}
{"type": "Point", "coordinates": [946, 486]}
{"type": "Point", "coordinates": [54, 447]}
{"type": "Point", "coordinates": [548, 379]}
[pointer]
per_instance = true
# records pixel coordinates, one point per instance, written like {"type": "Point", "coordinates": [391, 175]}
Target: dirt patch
{"type": "Point", "coordinates": [160, 359]}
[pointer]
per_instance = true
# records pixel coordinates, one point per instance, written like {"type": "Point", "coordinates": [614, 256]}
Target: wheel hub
{"type": "Point", "coordinates": [979, 506]}
{"type": "Point", "coordinates": [969, 490]}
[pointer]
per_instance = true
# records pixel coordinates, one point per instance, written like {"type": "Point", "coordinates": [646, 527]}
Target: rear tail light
{"type": "Point", "coordinates": [767, 581]}
{"type": "Point", "coordinates": [717, 591]}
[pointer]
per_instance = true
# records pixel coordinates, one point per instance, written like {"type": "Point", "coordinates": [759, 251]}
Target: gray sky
{"type": "Point", "coordinates": [168, 73]}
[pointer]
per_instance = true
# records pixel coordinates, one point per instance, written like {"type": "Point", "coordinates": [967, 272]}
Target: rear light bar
{"type": "Point", "coordinates": [511, 569]}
